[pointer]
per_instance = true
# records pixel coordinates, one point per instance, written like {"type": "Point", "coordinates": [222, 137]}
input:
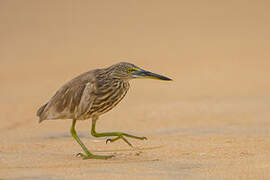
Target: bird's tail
{"type": "Point", "coordinates": [41, 113]}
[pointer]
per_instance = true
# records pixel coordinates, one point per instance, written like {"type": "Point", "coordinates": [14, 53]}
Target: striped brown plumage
{"type": "Point", "coordinates": [90, 94]}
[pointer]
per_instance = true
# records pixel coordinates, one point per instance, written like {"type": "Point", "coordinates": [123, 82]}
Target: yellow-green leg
{"type": "Point", "coordinates": [87, 154]}
{"type": "Point", "coordinates": [119, 135]}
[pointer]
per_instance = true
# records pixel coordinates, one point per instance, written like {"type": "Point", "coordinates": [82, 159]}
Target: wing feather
{"type": "Point", "coordinates": [73, 100]}
{"type": "Point", "coordinates": [86, 101]}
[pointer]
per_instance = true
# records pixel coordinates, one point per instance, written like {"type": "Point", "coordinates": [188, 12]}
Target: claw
{"type": "Point", "coordinates": [108, 140]}
{"type": "Point", "coordinates": [122, 137]}
{"type": "Point", "coordinates": [79, 155]}
{"type": "Point", "coordinates": [144, 138]}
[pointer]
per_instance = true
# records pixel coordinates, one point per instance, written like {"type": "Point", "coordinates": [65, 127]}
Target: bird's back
{"type": "Point", "coordinates": [67, 99]}
{"type": "Point", "coordinates": [91, 93]}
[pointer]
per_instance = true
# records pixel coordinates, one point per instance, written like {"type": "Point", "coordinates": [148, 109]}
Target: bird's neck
{"type": "Point", "coordinates": [111, 74]}
{"type": "Point", "coordinates": [107, 78]}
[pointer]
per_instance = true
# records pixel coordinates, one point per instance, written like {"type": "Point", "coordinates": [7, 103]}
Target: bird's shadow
{"type": "Point", "coordinates": [87, 135]}
{"type": "Point", "coordinates": [65, 135]}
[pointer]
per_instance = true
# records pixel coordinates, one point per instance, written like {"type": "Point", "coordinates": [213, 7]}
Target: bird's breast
{"type": "Point", "coordinates": [107, 98]}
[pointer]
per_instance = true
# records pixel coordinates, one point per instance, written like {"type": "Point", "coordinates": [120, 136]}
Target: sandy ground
{"type": "Point", "coordinates": [211, 122]}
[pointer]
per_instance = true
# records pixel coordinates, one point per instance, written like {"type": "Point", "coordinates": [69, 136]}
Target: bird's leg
{"type": "Point", "coordinates": [119, 135]}
{"type": "Point", "coordinates": [87, 154]}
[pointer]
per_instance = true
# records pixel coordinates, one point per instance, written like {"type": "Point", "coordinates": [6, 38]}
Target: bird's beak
{"type": "Point", "coordinates": [140, 73]}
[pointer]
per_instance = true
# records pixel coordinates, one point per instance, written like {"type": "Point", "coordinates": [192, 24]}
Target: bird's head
{"type": "Point", "coordinates": [127, 71]}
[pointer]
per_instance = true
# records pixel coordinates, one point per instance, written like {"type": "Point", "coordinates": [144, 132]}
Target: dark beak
{"type": "Point", "coordinates": [146, 74]}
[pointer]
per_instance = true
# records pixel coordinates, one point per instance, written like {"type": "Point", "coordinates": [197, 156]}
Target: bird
{"type": "Point", "coordinates": [92, 94]}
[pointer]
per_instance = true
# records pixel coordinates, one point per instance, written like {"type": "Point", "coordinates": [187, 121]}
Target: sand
{"type": "Point", "coordinates": [211, 122]}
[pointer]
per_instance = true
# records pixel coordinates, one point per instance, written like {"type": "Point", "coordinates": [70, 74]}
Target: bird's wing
{"type": "Point", "coordinates": [87, 100]}
{"type": "Point", "coordinates": [72, 101]}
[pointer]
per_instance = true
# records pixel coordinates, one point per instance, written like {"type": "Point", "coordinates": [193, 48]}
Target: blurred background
{"type": "Point", "coordinates": [207, 47]}
{"type": "Point", "coordinates": [217, 53]}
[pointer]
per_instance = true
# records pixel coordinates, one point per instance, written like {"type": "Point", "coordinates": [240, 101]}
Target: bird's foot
{"type": "Point", "coordinates": [92, 156]}
{"type": "Point", "coordinates": [121, 135]}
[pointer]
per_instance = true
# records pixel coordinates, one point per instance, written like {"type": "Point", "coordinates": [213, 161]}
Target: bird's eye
{"type": "Point", "coordinates": [131, 70]}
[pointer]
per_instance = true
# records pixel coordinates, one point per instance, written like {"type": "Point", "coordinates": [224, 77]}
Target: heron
{"type": "Point", "coordinates": [92, 94]}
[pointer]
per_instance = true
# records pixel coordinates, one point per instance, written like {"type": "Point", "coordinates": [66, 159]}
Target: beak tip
{"type": "Point", "coordinates": [147, 74]}
{"type": "Point", "coordinates": [164, 78]}
{"type": "Point", "coordinates": [168, 79]}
